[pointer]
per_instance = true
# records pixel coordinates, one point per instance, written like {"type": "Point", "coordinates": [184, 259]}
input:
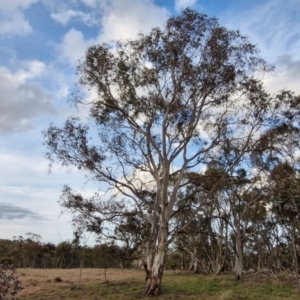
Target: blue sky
{"type": "Point", "coordinates": [40, 44]}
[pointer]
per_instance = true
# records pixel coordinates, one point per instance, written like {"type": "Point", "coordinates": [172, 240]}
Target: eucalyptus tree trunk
{"type": "Point", "coordinates": [157, 245]}
{"type": "Point", "coordinates": [150, 249]}
{"type": "Point", "coordinates": [295, 259]}
{"type": "Point", "coordinates": [221, 255]}
{"type": "Point", "coordinates": [194, 261]}
{"type": "Point", "coordinates": [238, 267]}
{"type": "Point", "coordinates": [155, 262]}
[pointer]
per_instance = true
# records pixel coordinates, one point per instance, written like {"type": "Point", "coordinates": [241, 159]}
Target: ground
{"type": "Point", "coordinates": [117, 284]}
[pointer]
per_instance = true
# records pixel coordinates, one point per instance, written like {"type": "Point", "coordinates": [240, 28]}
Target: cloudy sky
{"type": "Point", "coordinates": [40, 44]}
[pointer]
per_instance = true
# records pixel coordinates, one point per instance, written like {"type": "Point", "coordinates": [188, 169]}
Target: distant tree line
{"type": "Point", "coordinates": [30, 252]}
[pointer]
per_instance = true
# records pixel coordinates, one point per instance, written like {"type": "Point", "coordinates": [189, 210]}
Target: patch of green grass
{"type": "Point", "coordinates": [187, 286]}
{"type": "Point", "coordinates": [224, 287]}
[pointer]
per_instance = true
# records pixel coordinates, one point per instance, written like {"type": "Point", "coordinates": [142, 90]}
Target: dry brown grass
{"type": "Point", "coordinates": [42, 283]}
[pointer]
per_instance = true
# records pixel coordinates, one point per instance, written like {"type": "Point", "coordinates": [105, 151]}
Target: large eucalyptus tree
{"type": "Point", "coordinates": [163, 101]}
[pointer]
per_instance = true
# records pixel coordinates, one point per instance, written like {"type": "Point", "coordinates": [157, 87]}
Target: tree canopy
{"type": "Point", "coordinates": [168, 105]}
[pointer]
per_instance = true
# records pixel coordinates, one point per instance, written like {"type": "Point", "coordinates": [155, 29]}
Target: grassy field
{"type": "Point", "coordinates": [52, 284]}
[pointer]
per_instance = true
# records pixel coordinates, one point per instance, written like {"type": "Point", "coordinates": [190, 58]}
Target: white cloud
{"type": "Point", "coordinates": [33, 69]}
{"type": "Point", "coordinates": [74, 46]}
{"type": "Point", "coordinates": [182, 4]}
{"type": "Point", "coordinates": [15, 24]}
{"type": "Point", "coordinates": [124, 19]}
{"type": "Point", "coordinates": [119, 20]}
{"type": "Point", "coordinates": [286, 75]}
{"type": "Point", "coordinates": [12, 17]}
{"type": "Point", "coordinates": [65, 17]}
{"type": "Point", "coordinates": [20, 99]}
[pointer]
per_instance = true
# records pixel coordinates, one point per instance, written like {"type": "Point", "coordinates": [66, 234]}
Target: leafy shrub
{"type": "Point", "coordinates": [10, 285]}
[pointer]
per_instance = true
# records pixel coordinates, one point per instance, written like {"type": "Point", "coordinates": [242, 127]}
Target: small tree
{"type": "Point", "coordinates": [10, 285]}
{"type": "Point", "coordinates": [162, 103]}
